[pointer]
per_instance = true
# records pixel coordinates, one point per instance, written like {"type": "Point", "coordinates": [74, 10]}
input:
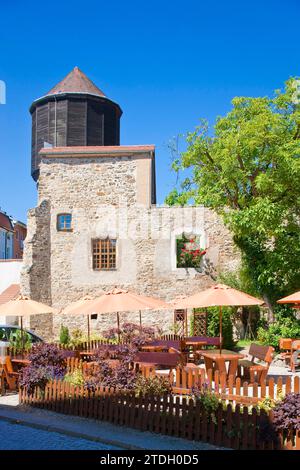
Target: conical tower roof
{"type": "Point", "coordinates": [76, 82]}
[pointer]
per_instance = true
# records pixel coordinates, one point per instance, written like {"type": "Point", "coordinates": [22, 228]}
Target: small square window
{"type": "Point", "coordinates": [64, 222]}
{"type": "Point", "coordinates": [104, 254]}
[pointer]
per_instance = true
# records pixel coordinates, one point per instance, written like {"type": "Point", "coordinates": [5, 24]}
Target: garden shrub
{"type": "Point", "coordinates": [122, 375]}
{"type": "Point", "coordinates": [131, 333]}
{"type": "Point", "coordinates": [207, 397]}
{"type": "Point", "coordinates": [77, 336]}
{"type": "Point", "coordinates": [156, 386]}
{"type": "Point", "coordinates": [285, 326]}
{"type": "Point", "coordinates": [47, 363]}
{"type": "Point", "coordinates": [286, 414]}
{"type": "Point", "coordinates": [266, 404]}
{"type": "Point", "coordinates": [64, 335]}
{"type": "Point", "coordinates": [18, 342]}
{"type": "Point", "coordinates": [75, 378]}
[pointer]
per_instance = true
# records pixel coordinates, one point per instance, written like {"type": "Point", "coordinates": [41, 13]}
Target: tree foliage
{"type": "Point", "coordinates": [248, 170]}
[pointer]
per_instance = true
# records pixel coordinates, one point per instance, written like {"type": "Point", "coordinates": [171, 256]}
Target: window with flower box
{"type": "Point", "coordinates": [189, 251]}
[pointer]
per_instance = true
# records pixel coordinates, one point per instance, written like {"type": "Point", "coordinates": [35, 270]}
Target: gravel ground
{"type": "Point", "coordinates": [20, 437]}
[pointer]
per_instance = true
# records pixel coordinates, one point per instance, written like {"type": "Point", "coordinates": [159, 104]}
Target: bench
{"type": "Point", "coordinates": [208, 340]}
{"type": "Point", "coordinates": [254, 370]}
{"type": "Point", "coordinates": [164, 359]}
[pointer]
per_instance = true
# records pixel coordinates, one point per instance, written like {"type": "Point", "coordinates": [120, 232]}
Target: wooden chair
{"type": "Point", "coordinates": [11, 377]}
{"type": "Point", "coordinates": [254, 370]}
{"type": "Point", "coordinates": [285, 346]}
{"type": "Point", "coordinates": [295, 355]}
{"type": "Point", "coordinates": [2, 380]}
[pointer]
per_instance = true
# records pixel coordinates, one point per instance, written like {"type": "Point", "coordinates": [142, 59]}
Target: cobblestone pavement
{"type": "Point", "coordinates": [20, 437]}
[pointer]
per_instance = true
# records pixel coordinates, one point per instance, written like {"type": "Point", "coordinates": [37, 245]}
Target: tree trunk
{"type": "Point", "coordinates": [271, 316]}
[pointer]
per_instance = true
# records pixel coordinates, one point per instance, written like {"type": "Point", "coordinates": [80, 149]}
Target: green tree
{"type": "Point", "coordinates": [248, 170]}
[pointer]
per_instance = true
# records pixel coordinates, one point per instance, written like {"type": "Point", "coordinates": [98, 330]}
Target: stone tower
{"type": "Point", "coordinates": [96, 225]}
{"type": "Point", "coordinates": [73, 113]}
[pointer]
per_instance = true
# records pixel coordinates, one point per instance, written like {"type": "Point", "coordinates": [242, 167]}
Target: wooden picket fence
{"type": "Point", "coordinates": [231, 427]}
{"type": "Point", "coordinates": [86, 345]}
{"type": "Point", "coordinates": [231, 389]}
{"type": "Point", "coordinates": [73, 363]}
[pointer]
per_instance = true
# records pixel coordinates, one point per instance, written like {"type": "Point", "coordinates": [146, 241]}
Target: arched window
{"type": "Point", "coordinates": [64, 222]}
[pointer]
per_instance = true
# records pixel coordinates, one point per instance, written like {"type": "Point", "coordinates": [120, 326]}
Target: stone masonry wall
{"type": "Point", "coordinates": [58, 265]}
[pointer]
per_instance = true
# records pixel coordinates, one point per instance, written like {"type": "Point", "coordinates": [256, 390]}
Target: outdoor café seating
{"type": "Point", "coordinates": [9, 377]}
{"type": "Point", "coordinates": [289, 348]}
{"type": "Point", "coordinates": [256, 368]}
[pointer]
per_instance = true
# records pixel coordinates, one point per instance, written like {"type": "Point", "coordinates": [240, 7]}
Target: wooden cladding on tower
{"type": "Point", "coordinates": [73, 120]}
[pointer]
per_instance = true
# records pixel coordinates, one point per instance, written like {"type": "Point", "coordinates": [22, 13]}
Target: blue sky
{"type": "Point", "coordinates": [167, 63]}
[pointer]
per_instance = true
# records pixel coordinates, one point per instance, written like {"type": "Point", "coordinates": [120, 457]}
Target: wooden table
{"type": "Point", "coordinates": [195, 343]}
{"type": "Point", "coordinates": [215, 361]}
{"type": "Point", "coordinates": [151, 347]}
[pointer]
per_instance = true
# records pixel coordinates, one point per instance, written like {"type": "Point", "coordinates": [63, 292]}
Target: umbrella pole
{"type": "Point", "coordinates": [221, 338]}
{"type": "Point", "coordinates": [89, 332]}
{"type": "Point", "coordinates": [22, 338]}
{"type": "Point", "coordinates": [118, 323]}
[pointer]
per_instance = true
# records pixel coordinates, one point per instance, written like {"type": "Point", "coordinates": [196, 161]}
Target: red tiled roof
{"type": "Point", "coordinates": [97, 150]}
{"type": "Point", "coordinates": [11, 293]}
{"type": "Point", "coordinates": [76, 82]}
{"type": "Point", "coordinates": [5, 222]}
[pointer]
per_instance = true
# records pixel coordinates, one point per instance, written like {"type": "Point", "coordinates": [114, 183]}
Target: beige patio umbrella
{"type": "Point", "coordinates": [77, 308]}
{"type": "Point", "coordinates": [120, 300]}
{"type": "Point", "coordinates": [220, 296]}
{"type": "Point", "coordinates": [291, 299]}
{"type": "Point", "coordinates": [24, 307]}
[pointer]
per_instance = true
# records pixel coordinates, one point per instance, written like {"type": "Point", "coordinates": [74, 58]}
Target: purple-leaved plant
{"type": "Point", "coordinates": [286, 414]}
{"type": "Point", "coordinates": [47, 363]}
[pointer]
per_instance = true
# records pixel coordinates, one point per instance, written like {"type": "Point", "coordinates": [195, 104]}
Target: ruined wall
{"type": "Point", "coordinates": [102, 199]}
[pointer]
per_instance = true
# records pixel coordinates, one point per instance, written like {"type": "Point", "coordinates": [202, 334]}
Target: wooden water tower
{"type": "Point", "coordinates": [73, 113]}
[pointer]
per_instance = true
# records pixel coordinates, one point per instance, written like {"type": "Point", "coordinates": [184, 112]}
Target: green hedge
{"type": "Point", "coordinates": [285, 326]}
